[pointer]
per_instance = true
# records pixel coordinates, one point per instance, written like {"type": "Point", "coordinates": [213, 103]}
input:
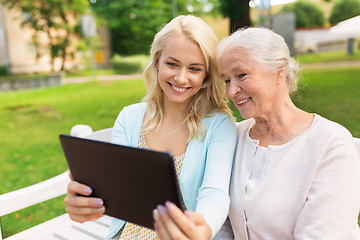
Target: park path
{"type": "Point", "coordinates": [101, 78]}
{"type": "Point", "coordinates": [139, 75]}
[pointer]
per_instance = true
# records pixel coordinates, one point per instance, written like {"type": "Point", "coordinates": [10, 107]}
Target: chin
{"type": "Point", "coordinates": [246, 115]}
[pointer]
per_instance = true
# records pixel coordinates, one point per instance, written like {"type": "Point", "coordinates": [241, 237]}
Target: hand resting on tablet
{"type": "Point", "coordinates": [82, 209]}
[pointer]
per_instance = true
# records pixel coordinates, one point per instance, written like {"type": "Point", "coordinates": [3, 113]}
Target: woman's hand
{"type": "Point", "coordinates": [82, 209]}
{"type": "Point", "coordinates": [172, 223]}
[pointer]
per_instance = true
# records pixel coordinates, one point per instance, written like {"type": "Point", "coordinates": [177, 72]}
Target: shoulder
{"type": "Point", "coordinates": [244, 126]}
{"type": "Point", "coordinates": [218, 119]}
{"type": "Point", "coordinates": [133, 111]}
{"type": "Point", "coordinates": [329, 130]}
{"type": "Point", "coordinates": [135, 108]}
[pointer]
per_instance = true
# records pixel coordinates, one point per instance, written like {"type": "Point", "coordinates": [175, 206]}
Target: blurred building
{"type": "Point", "coordinates": [18, 52]}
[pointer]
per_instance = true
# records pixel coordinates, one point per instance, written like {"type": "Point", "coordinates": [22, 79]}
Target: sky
{"type": "Point", "coordinates": [255, 3]}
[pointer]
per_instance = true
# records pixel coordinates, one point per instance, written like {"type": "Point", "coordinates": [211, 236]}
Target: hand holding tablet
{"type": "Point", "coordinates": [130, 181]}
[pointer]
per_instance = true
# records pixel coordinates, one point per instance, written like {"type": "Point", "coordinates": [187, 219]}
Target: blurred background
{"type": "Point", "coordinates": [68, 62]}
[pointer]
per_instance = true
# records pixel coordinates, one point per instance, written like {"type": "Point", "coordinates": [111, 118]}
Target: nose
{"type": "Point", "coordinates": [181, 77]}
{"type": "Point", "coordinates": [233, 89]}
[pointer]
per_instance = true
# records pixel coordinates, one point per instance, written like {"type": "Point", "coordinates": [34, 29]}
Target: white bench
{"type": "Point", "coordinates": [61, 227]}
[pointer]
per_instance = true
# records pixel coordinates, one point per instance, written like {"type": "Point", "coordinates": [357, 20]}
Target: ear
{"type": "Point", "coordinates": [281, 76]}
{"type": "Point", "coordinates": [157, 64]}
{"type": "Point", "coordinates": [204, 84]}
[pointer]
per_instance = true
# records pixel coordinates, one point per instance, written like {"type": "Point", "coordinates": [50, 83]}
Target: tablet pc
{"type": "Point", "coordinates": [131, 181]}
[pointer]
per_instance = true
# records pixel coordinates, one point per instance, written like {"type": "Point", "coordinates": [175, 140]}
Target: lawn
{"type": "Point", "coordinates": [332, 56]}
{"type": "Point", "coordinates": [31, 120]}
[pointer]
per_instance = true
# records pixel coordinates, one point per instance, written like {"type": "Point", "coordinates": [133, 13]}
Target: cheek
{"type": "Point", "coordinates": [164, 72]}
{"type": "Point", "coordinates": [198, 80]}
{"type": "Point", "coordinates": [227, 91]}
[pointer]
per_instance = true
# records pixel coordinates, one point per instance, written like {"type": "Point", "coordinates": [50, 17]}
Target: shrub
{"type": "Point", "coordinates": [307, 13]}
{"type": "Point", "coordinates": [344, 9]}
{"type": "Point", "coordinates": [121, 66]}
{"type": "Point", "coordinates": [3, 71]}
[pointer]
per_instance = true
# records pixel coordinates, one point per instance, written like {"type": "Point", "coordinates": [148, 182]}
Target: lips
{"type": "Point", "coordinates": [243, 101]}
{"type": "Point", "coordinates": [179, 89]}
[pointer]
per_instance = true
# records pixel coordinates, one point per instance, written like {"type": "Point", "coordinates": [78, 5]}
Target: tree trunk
{"type": "Point", "coordinates": [242, 17]}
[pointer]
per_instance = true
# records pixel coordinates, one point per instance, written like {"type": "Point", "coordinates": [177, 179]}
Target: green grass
{"type": "Point", "coordinates": [332, 93]}
{"type": "Point", "coordinates": [31, 120]}
{"type": "Point", "coordinates": [323, 57]}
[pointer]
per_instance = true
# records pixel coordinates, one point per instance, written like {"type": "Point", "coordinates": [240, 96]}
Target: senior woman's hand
{"type": "Point", "coordinates": [82, 209]}
{"type": "Point", "coordinates": [172, 223]}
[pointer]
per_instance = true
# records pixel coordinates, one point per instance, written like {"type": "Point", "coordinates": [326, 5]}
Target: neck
{"type": "Point", "coordinates": [174, 112]}
{"type": "Point", "coordinates": [280, 124]}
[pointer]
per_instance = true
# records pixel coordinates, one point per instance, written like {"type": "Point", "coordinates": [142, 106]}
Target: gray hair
{"type": "Point", "coordinates": [267, 48]}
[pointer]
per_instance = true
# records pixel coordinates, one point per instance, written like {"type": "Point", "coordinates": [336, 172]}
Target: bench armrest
{"type": "Point", "coordinates": [34, 194]}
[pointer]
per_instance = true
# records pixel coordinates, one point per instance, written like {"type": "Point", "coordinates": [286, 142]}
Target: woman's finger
{"type": "Point", "coordinates": [184, 223]}
{"type": "Point", "coordinates": [84, 218]}
{"type": "Point", "coordinates": [70, 176]}
{"type": "Point", "coordinates": [79, 188]}
{"type": "Point", "coordinates": [171, 227]}
{"type": "Point", "coordinates": [159, 226]}
{"type": "Point", "coordinates": [84, 210]}
{"type": "Point", "coordinates": [79, 201]}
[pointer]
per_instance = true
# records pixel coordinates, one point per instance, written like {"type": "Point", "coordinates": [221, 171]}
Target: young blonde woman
{"type": "Point", "coordinates": [184, 113]}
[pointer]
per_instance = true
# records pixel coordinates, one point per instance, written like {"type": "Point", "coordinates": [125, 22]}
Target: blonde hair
{"type": "Point", "coordinates": [267, 48]}
{"type": "Point", "coordinates": [209, 99]}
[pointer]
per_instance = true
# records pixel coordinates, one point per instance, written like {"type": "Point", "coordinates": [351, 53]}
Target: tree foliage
{"type": "Point", "coordinates": [344, 9]}
{"type": "Point", "coordinates": [57, 19]}
{"type": "Point", "coordinates": [307, 13]}
{"type": "Point", "coordinates": [133, 23]}
{"type": "Point", "coordinates": [238, 11]}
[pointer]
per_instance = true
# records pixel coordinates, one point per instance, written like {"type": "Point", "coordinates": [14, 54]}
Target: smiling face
{"type": "Point", "coordinates": [249, 85]}
{"type": "Point", "coordinates": [181, 69]}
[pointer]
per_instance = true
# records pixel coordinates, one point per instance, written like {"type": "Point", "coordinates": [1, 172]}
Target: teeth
{"type": "Point", "coordinates": [243, 101]}
{"type": "Point", "coordinates": [179, 89]}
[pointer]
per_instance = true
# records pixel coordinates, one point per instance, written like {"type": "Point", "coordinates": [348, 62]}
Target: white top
{"type": "Point", "coordinates": [256, 170]}
{"type": "Point", "coordinates": [310, 188]}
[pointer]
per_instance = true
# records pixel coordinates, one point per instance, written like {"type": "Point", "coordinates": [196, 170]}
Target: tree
{"type": "Point", "coordinates": [307, 13]}
{"type": "Point", "coordinates": [238, 11]}
{"type": "Point", "coordinates": [57, 19]}
{"type": "Point", "coordinates": [133, 23]}
{"type": "Point", "coordinates": [344, 9]}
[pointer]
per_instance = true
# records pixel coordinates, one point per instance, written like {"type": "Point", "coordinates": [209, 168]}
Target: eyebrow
{"type": "Point", "coordinates": [196, 64]}
{"type": "Point", "coordinates": [237, 68]}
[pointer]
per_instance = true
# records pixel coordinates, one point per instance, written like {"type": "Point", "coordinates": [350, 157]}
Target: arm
{"type": "Point", "coordinates": [332, 207]}
{"type": "Point", "coordinates": [213, 199]}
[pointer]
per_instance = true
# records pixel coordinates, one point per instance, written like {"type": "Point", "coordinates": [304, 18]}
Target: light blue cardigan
{"type": "Point", "coordinates": [205, 174]}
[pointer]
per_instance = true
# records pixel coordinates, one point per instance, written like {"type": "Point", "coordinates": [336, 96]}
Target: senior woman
{"type": "Point", "coordinates": [296, 174]}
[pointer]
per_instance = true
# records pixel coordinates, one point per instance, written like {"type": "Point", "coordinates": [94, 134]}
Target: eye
{"type": "Point", "coordinates": [241, 75]}
{"type": "Point", "coordinates": [227, 81]}
{"type": "Point", "coordinates": [171, 64]}
{"type": "Point", "coordinates": [195, 69]}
